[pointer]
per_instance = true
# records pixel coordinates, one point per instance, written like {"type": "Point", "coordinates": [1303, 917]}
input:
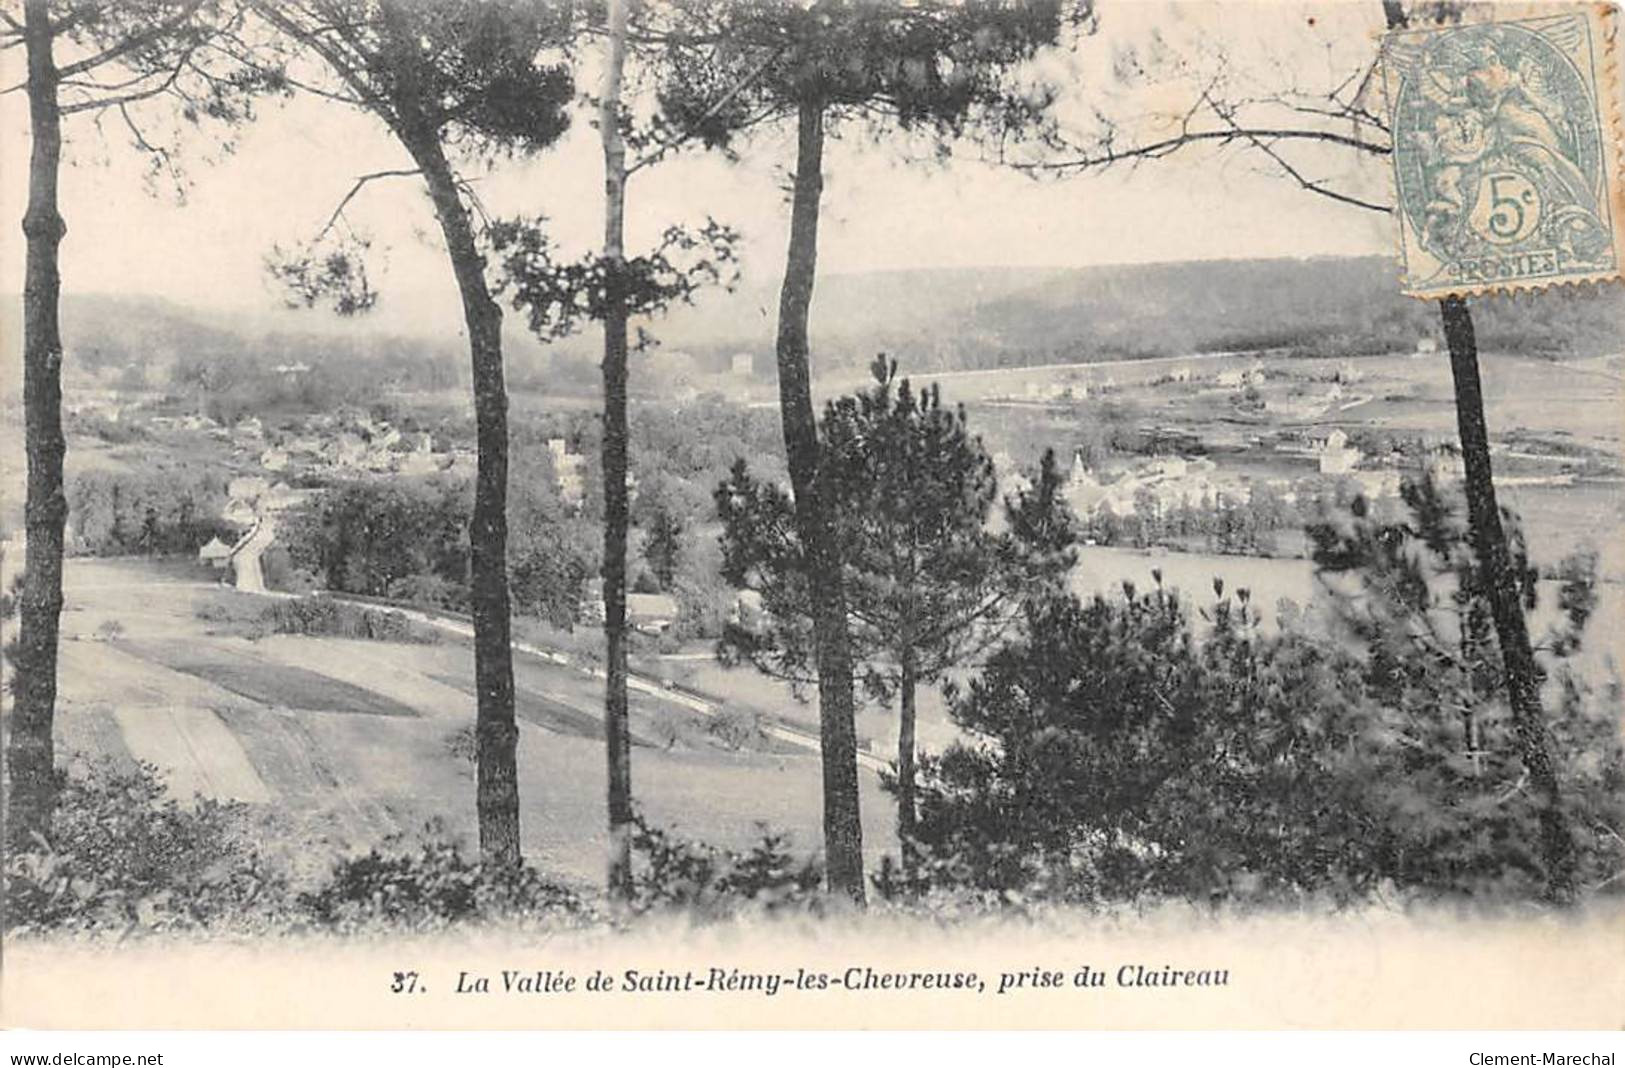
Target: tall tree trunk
{"type": "Point", "coordinates": [1495, 563]}
{"type": "Point", "coordinates": [30, 756]}
{"type": "Point", "coordinates": [843, 830]}
{"type": "Point", "coordinates": [617, 733]}
{"type": "Point", "coordinates": [495, 732]}
{"type": "Point", "coordinates": [907, 816]}
{"type": "Point", "coordinates": [1506, 602]}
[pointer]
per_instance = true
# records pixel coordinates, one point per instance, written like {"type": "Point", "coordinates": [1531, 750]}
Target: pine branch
{"type": "Point", "coordinates": [671, 142]}
{"type": "Point", "coordinates": [131, 44]}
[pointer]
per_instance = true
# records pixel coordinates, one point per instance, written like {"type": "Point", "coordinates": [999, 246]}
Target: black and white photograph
{"type": "Point", "coordinates": [769, 514]}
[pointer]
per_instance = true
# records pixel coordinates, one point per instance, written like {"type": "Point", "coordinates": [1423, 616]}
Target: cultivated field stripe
{"type": "Point", "coordinates": [92, 731]}
{"type": "Point", "coordinates": [196, 751]}
{"type": "Point", "coordinates": [291, 760]}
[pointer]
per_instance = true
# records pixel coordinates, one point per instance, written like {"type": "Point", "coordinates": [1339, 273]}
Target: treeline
{"type": "Point", "coordinates": [1222, 523]}
{"type": "Point", "coordinates": [1329, 307]}
{"type": "Point", "coordinates": [164, 512]}
{"type": "Point", "coordinates": [145, 344]}
{"type": "Point", "coordinates": [302, 373]}
{"type": "Point", "coordinates": [407, 540]}
{"type": "Point", "coordinates": [1247, 522]}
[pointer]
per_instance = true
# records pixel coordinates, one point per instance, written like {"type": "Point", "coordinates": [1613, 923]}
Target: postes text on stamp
{"type": "Point", "coordinates": [1506, 155]}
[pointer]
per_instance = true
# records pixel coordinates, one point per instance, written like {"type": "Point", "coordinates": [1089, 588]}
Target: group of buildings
{"type": "Point", "coordinates": [1176, 481]}
{"type": "Point", "coordinates": [350, 442]}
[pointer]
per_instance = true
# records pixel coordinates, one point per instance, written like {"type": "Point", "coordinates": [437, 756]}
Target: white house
{"type": "Point", "coordinates": [749, 612]}
{"type": "Point", "coordinates": [246, 488]}
{"type": "Point", "coordinates": [215, 553]}
{"type": "Point", "coordinates": [1337, 456]}
{"type": "Point", "coordinates": [1377, 484]}
{"type": "Point", "coordinates": [651, 613]}
{"type": "Point", "coordinates": [569, 469]}
{"type": "Point", "coordinates": [421, 460]}
{"type": "Point", "coordinates": [1173, 466]}
{"type": "Point", "coordinates": [281, 497]}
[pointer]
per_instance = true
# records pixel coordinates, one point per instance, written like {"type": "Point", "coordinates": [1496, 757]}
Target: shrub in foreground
{"type": "Point", "coordinates": [670, 873]}
{"type": "Point", "coordinates": [435, 886]}
{"type": "Point", "coordinates": [122, 855]}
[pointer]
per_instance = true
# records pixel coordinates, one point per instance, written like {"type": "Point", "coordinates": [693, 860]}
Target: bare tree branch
{"type": "Point", "coordinates": [347, 66]}
{"type": "Point", "coordinates": [1262, 142]}
{"type": "Point", "coordinates": [1169, 145]}
{"type": "Point", "coordinates": [360, 183]}
{"type": "Point", "coordinates": [243, 55]}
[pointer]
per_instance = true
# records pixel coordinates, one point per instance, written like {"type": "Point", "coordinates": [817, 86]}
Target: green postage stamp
{"type": "Point", "coordinates": [1506, 150]}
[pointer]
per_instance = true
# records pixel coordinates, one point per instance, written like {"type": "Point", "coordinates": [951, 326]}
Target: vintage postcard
{"type": "Point", "coordinates": [812, 514]}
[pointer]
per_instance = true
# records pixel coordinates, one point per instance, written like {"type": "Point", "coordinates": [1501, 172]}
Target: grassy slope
{"type": "Point", "coordinates": [351, 741]}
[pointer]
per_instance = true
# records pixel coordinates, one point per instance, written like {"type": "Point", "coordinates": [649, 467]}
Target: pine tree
{"type": "Point", "coordinates": [83, 58]}
{"type": "Point", "coordinates": [462, 72]}
{"type": "Point", "coordinates": [929, 584]}
{"type": "Point", "coordinates": [933, 67]}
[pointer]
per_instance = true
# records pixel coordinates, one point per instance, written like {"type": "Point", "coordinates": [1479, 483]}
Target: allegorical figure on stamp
{"type": "Point", "coordinates": [1499, 151]}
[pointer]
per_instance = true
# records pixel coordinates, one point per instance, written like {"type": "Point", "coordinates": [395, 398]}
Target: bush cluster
{"type": "Point", "coordinates": [1117, 750]}
{"type": "Point", "coordinates": [327, 617]}
{"type": "Point", "coordinates": [121, 856]}
{"type": "Point", "coordinates": [434, 887]}
{"type": "Point", "coordinates": [670, 872]}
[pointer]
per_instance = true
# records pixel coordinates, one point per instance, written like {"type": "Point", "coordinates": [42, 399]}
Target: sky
{"type": "Point", "coordinates": [886, 204]}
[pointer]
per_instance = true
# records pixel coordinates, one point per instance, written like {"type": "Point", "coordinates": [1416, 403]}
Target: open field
{"type": "Point", "coordinates": [341, 743]}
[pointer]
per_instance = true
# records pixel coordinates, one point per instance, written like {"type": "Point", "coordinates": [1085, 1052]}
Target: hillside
{"type": "Point", "coordinates": [963, 319]}
{"type": "Point", "coordinates": [930, 319]}
{"type": "Point", "coordinates": [340, 743]}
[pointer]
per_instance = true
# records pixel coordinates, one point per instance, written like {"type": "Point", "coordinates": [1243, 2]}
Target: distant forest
{"type": "Point", "coordinates": [929, 319]}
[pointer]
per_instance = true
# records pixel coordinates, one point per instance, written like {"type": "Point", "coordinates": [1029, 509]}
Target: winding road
{"type": "Point", "coordinates": [245, 556]}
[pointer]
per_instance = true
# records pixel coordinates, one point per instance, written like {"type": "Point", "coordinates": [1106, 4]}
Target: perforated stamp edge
{"type": "Point", "coordinates": [1605, 19]}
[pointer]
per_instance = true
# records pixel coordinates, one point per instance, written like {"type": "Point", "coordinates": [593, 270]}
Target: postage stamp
{"type": "Point", "coordinates": [1506, 151]}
